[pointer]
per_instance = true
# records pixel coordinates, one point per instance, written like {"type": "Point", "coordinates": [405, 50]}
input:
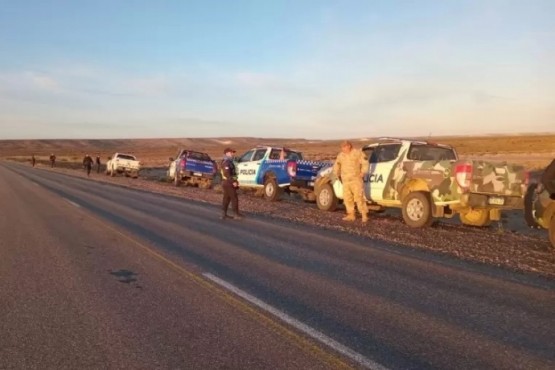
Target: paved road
{"type": "Point", "coordinates": [96, 275]}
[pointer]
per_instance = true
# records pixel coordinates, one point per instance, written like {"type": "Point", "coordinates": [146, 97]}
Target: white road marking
{"type": "Point", "coordinates": [313, 333]}
{"type": "Point", "coordinates": [72, 203]}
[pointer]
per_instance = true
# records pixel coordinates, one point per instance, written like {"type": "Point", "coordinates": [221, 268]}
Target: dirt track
{"type": "Point", "coordinates": [509, 244]}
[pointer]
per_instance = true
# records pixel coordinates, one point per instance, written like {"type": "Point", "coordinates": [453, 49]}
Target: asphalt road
{"type": "Point", "coordinates": [98, 276]}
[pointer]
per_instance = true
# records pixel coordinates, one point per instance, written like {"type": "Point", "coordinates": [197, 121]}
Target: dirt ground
{"type": "Point", "coordinates": [508, 244]}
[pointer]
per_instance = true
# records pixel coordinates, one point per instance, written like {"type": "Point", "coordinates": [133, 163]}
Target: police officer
{"type": "Point", "coordinates": [88, 163]}
{"type": "Point", "coordinates": [98, 163]}
{"type": "Point", "coordinates": [52, 160]}
{"type": "Point", "coordinates": [33, 160]}
{"type": "Point", "coordinates": [351, 166]}
{"type": "Point", "coordinates": [229, 185]}
{"type": "Point", "coordinates": [548, 178]}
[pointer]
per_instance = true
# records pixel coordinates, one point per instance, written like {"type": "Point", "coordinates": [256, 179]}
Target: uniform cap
{"type": "Point", "coordinates": [346, 143]}
{"type": "Point", "coordinates": [227, 150]}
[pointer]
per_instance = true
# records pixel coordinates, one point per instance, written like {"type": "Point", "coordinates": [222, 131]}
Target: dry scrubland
{"type": "Point", "coordinates": [533, 151]}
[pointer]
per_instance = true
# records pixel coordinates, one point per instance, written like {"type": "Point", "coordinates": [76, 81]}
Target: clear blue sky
{"type": "Point", "coordinates": [315, 69]}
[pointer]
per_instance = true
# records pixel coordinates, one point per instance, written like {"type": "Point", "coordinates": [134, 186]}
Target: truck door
{"type": "Point", "coordinates": [243, 169]}
{"type": "Point", "coordinates": [382, 162]}
{"type": "Point", "coordinates": [173, 166]}
{"type": "Point", "coordinates": [253, 166]}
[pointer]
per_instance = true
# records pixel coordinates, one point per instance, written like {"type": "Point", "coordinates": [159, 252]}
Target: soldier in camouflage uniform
{"type": "Point", "coordinates": [351, 166]}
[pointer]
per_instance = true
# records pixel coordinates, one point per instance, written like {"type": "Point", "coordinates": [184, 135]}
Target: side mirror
{"type": "Point", "coordinates": [171, 159]}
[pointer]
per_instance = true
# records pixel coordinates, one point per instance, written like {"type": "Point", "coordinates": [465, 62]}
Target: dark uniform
{"type": "Point", "coordinates": [52, 160]}
{"type": "Point", "coordinates": [98, 164]}
{"type": "Point", "coordinates": [229, 185]}
{"type": "Point", "coordinates": [548, 178]}
{"type": "Point", "coordinates": [33, 160]}
{"type": "Point", "coordinates": [88, 163]}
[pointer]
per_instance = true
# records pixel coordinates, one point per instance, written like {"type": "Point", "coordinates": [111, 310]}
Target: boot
{"type": "Point", "coordinates": [238, 216]}
{"type": "Point", "coordinates": [349, 217]}
{"type": "Point", "coordinates": [225, 216]}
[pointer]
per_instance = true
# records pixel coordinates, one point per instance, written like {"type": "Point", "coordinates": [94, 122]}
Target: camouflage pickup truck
{"type": "Point", "coordinates": [428, 180]}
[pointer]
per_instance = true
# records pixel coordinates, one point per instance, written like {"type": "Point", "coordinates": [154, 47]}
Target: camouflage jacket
{"type": "Point", "coordinates": [351, 166]}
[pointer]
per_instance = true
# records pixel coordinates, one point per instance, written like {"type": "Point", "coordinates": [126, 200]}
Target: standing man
{"type": "Point", "coordinates": [350, 167]}
{"type": "Point", "coordinates": [229, 185]}
{"type": "Point", "coordinates": [98, 163]}
{"type": "Point", "coordinates": [52, 160]}
{"type": "Point", "coordinates": [33, 160]}
{"type": "Point", "coordinates": [88, 163]}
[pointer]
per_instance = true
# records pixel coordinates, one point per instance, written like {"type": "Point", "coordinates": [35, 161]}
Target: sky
{"type": "Point", "coordinates": [296, 68]}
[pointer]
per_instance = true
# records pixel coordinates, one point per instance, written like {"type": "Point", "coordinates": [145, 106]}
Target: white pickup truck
{"type": "Point", "coordinates": [123, 163]}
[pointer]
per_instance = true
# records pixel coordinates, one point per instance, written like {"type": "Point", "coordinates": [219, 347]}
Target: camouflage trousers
{"type": "Point", "coordinates": [353, 193]}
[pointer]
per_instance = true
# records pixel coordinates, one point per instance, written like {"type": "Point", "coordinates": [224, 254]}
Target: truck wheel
{"type": "Point", "coordinates": [272, 191]}
{"type": "Point", "coordinates": [552, 231]}
{"type": "Point", "coordinates": [475, 217]}
{"type": "Point", "coordinates": [417, 209]}
{"type": "Point", "coordinates": [529, 206]}
{"type": "Point", "coordinates": [205, 184]}
{"type": "Point", "coordinates": [325, 198]}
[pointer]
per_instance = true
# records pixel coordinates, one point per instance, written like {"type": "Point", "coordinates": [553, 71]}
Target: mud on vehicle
{"type": "Point", "coordinates": [192, 168]}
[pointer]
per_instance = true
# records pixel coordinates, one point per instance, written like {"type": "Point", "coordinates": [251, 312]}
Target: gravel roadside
{"type": "Point", "coordinates": [507, 244]}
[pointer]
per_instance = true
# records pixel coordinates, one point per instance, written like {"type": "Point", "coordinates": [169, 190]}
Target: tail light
{"type": "Point", "coordinates": [292, 169]}
{"type": "Point", "coordinates": [463, 175]}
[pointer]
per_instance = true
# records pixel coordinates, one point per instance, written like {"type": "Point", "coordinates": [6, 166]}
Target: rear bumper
{"type": "Point", "coordinates": [492, 201]}
{"type": "Point", "coordinates": [203, 175]}
{"type": "Point", "coordinates": [302, 184]}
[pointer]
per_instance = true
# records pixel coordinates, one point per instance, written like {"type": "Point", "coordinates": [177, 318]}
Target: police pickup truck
{"type": "Point", "coordinates": [123, 163]}
{"type": "Point", "coordinates": [275, 170]}
{"type": "Point", "coordinates": [428, 180]}
{"type": "Point", "coordinates": [192, 168]}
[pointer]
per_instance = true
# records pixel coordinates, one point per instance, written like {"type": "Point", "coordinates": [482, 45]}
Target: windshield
{"type": "Point", "coordinates": [428, 152]}
{"type": "Point", "coordinates": [199, 156]}
{"type": "Point", "coordinates": [126, 156]}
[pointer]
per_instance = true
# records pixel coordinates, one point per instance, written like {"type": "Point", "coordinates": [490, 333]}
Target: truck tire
{"type": "Point", "coordinates": [552, 231]}
{"type": "Point", "coordinates": [475, 217]}
{"type": "Point", "coordinates": [326, 200]}
{"type": "Point", "coordinates": [529, 206]}
{"type": "Point", "coordinates": [417, 209]}
{"type": "Point", "coordinates": [272, 191]}
{"type": "Point", "coordinates": [205, 184]}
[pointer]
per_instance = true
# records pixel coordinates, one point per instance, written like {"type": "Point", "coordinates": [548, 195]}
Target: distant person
{"type": "Point", "coordinates": [98, 163]}
{"type": "Point", "coordinates": [88, 163]}
{"type": "Point", "coordinates": [351, 166]}
{"type": "Point", "coordinates": [33, 160]}
{"type": "Point", "coordinates": [229, 185]}
{"type": "Point", "coordinates": [52, 160]}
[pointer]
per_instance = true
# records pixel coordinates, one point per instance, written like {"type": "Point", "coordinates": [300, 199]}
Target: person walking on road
{"type": "Point", "coordinates": [350, 167]}
{"type": "Point", "coordinates": [33, 160]}
{"type": "Point", "coordinates": [52, 160]}
{"type": "Point", "coordinates": [98, 163]}
{"type": "Point", "coordinates": [87, 164]}
{"type": "Point", "coordinates": [229, 185]}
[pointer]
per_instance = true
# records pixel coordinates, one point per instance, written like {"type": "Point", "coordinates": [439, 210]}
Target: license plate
{"type": "Point", "coordinates": [498, 201]}
{"type": "Point", "coordinates": [197, 173]}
